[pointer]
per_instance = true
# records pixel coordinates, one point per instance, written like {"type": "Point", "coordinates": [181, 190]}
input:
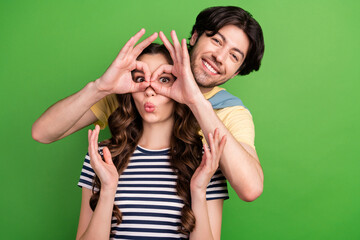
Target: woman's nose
{"type": "Point", "coordinates": [149, 91]}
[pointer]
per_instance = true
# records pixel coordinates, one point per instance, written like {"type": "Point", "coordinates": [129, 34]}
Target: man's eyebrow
{"type": "Point", "coordinates": [236, 49]}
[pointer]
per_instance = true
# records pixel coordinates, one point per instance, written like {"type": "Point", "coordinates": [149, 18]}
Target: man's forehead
{"type": "Point", "coordinates": [235, 37]}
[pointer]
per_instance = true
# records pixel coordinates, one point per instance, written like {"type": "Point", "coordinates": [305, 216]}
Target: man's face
{"type": "Point", "coordinates": [216, 59]}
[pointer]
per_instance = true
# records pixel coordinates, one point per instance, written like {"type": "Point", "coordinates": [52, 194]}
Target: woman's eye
{"type": "Point", "coordinates": [139, 79]}
{"type": "Point", "coordinates": [164, 80]}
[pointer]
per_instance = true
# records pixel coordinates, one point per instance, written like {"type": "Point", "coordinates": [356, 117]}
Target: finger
{"type": "Point", "coordinates": [216, 137]}
{"type": "Point", "coordinates": [203, 160]}
{"type": "Point", "coordinates": [185, 53]}
{"type": "Point", "coordinates": [168, 45]}
{"type": "Point", "coordinates": [142, 66]}
{"type": "Point", "coordinates": [107, 156]}
{"type": "Point", "coordinates": [160, 89]}
{"type": "Point", "coordinates": [131, 43]}
{"type": "Point", "coordinates": [178, 50]}
{"type": "Point", "coordinates": [89, 140]}
{"type": "Point", "coordinates": [141, 46]}
{"type": "Point", "coordinates": [164, 68]}
{"type": "Point", "coordinates": [222, 145]}
{"type": "Point", "coordinates": [93, 142]}
{"type": "Point", "coordinates": [215, 153]}
{"type": "Point", "coordinates": [212, 143]}
{"type": "Point", "coordinates": [139, 34]}
{"type": "Point", "coordinates": [96, 132]}
{"type": "Point", "coordinates": [126, 48]}
{"type": "Point", "coordinates": [92, 152]}
{"type": "Point", "coordinates": [89, 135]}
{"type": "Point", "coordinates": [141, 87]}
{"type": "Point", "coordinates": [207, 154]}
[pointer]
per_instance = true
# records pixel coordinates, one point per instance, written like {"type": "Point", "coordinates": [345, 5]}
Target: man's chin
{"type": "Point", "coordinates": [202, 81]}
{"type": "Point", "coordinates": [206, 85]}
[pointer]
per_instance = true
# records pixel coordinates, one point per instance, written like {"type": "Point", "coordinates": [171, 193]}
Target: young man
{"type": "Point", "coordinates": [225, 41]}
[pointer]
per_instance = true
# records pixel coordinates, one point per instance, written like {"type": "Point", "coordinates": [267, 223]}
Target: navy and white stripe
{"type": "Point", "coordinates": [146, 195]}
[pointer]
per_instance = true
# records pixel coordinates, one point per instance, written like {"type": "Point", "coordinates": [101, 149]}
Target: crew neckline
{"type": "Point", "coordinates": [146, 150]}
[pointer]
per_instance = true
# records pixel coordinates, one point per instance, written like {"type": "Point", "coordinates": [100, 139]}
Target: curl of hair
{"type": "Point", "coordinates": [185, 157]}
{"type": "Point", "coordinates": [125, 125]}
{"type": "Point", "coordinates": [185, 151]}
{"type": "Point", "coordinates": [211, 20]}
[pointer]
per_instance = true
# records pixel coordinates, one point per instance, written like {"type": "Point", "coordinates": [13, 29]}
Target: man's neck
{"type": "Point", "coordinates": [205, 90]}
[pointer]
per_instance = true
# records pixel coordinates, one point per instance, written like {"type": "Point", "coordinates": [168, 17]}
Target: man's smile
{"type": "Point", "coordinates": [209, 67]}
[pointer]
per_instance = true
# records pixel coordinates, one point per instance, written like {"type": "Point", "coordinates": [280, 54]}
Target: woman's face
{"type": "Point", "coordinates": [152, 107]}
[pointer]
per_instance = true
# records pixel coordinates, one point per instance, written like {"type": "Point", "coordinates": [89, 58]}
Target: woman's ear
{"type": "Point", "coordinates": [193, 38]}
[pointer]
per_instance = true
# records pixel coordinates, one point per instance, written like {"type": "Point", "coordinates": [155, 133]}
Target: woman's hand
{"type": "Point", "coordinates": [105, 170]}
{"type": "Point", "coordinates": [209, 163]}
{"type": "Point", "coordinates": [184, 90]}
{"type": "Point", "coordinates": [117, 78]}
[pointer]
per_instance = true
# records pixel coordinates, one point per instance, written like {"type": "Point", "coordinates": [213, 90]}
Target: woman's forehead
{"type": "Point", "coordinates": [153, 60]}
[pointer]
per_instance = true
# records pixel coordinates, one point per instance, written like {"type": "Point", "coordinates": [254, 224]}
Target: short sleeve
{"type": "Point", "coordinates": [104, 108]}
{"type": "Point", "coordinates": [239, 122]}
{"type": "Point", "coordinates": [87, 174]}
{"type": "Point", "coordinates": [217, 188]}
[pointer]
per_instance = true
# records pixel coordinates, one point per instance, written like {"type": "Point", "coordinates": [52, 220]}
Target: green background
{"type": "Point", "coordinates": [304, 101]}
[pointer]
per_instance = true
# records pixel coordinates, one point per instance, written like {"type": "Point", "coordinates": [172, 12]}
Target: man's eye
{"type": "Point", "coordinates": [216, 41]}
{"type": "Point", "coordinates": [235, 57]}
{"type": "Point", "coordinates": [164, 80]}
{"type": "Point", "coordinates": [139, 79]}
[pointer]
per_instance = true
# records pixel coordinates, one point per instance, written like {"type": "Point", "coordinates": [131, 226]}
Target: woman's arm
{"type": "Point", "coordinates": [208, 214]}
{"type": "Point", "coordinates": [97, 224]}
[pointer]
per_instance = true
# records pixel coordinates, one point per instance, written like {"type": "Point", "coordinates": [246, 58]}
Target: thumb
{"type": "Point", "coordinates": [141, 87]}
{"type": "Point", "coordinates": [160, 89]}
{"type": "Point", "coordinates": [107, 156]}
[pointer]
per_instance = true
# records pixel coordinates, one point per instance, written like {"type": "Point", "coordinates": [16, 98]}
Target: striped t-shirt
{"type": "Point", "coordinates": [146, 196]}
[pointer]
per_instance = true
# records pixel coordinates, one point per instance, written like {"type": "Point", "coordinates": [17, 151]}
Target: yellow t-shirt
{"type": "Point", "coordinates": [237, 119]}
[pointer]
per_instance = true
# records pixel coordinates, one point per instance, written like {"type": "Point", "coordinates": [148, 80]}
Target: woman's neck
{"type": "Point", "coordinates": [156, 135]}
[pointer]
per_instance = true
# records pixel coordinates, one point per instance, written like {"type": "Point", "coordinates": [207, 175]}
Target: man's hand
{"type": "Point", "coordinates": [117, 78]}
{"type": "Point", "coordinates": [184, 89]}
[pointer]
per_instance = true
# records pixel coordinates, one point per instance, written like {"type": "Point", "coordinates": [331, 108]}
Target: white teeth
{"type": "Point", "coordinates": [211, 69]}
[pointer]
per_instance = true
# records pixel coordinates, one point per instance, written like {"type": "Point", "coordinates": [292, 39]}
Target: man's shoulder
{"type": "Point", "coordinates": [223, 99]}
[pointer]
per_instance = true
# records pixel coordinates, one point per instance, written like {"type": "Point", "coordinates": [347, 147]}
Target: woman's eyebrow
{"type": "Point", "coordinates": [137, 71]}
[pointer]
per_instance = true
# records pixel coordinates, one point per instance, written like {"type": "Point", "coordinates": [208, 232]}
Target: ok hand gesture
{"type": "Point", "coordinates": [117, 78]}
{"type": "Point", "coordinates": [184, 90]}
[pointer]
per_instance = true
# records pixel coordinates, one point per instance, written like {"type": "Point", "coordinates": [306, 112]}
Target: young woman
{"type": "Point", "coordinates": [154, 180]}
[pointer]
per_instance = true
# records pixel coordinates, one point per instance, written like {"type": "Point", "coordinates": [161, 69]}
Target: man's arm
{"type": "Point", "coordinates": [67, 116]}
{"type": "Point", "coordinates": [239, 161]}
{"type": "Point", "coordinates": [73, 113]}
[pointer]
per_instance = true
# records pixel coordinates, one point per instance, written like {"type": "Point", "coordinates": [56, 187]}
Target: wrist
{"type": "Point", "coordinates": [108, 192]}
{"type": "Point", "coordinates": [96, 86]}
{"type": "Point", "coordinates": [200, 104]}
{"type": "Point", "coordinates": [197, 192]}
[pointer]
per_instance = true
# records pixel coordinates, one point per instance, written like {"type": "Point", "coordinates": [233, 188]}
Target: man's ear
{"type": "Point", "coordinates": [193, 38]}
{"type": "Point", "coordinates": [236, 73]}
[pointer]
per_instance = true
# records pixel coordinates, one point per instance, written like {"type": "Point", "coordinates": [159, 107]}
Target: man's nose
{"type": "Point", "coordinates": [220, 55]}
{"type": "Point", "coordinates": [149, 91]}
